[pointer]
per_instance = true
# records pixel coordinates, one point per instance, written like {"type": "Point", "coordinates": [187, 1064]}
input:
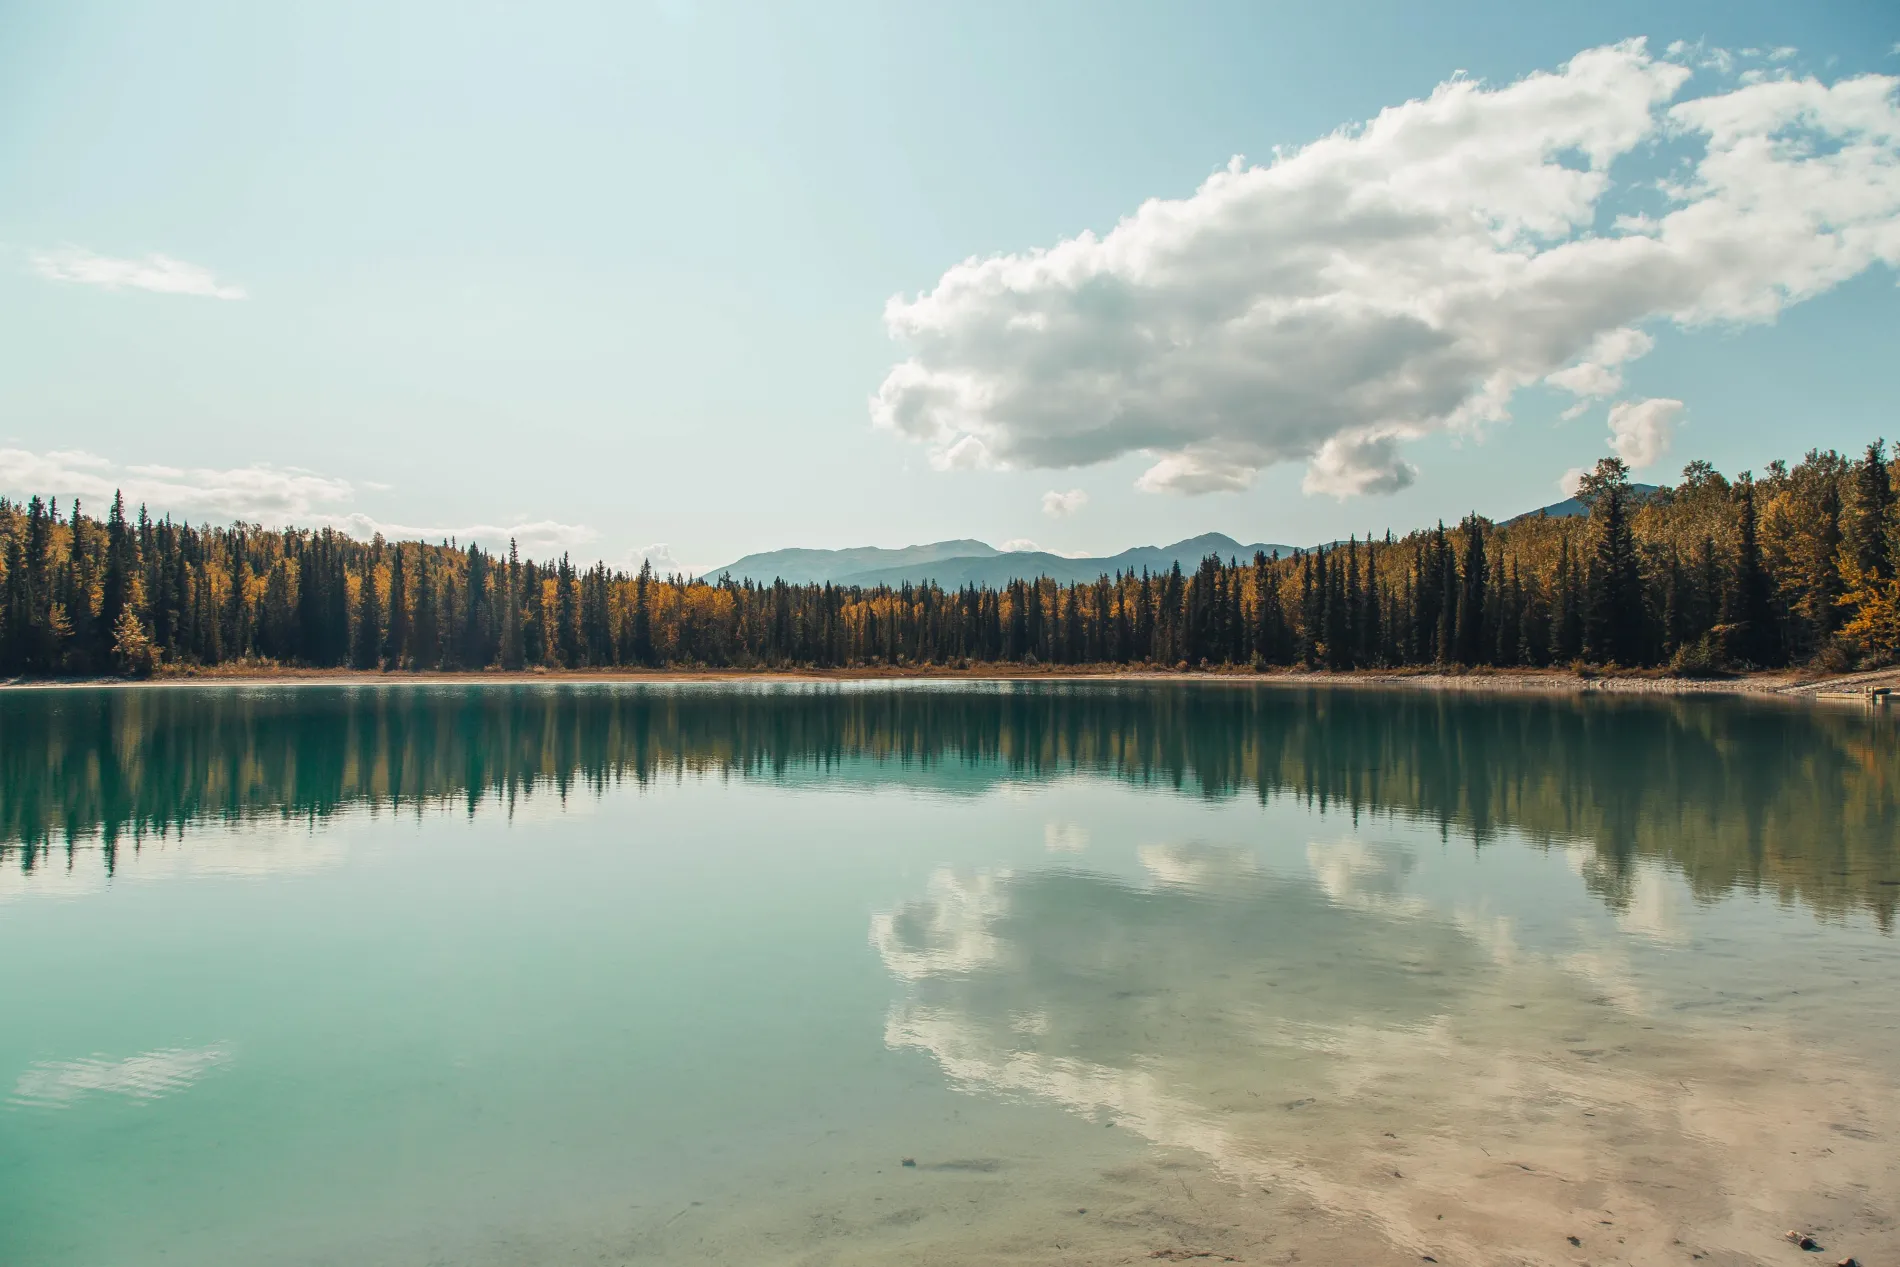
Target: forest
{"type": "Point", "coordinates": [1796, 566]}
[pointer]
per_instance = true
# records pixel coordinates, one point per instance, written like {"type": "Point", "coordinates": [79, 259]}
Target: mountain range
{"type": "Point", "coordinates": [954, 564]}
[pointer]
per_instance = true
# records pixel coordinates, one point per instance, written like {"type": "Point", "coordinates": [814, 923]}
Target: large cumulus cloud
{"type": "Point", "coordinates": [1403, 278]}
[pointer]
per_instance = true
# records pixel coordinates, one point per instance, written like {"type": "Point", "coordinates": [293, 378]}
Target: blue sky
{"type": "Point", "coordinates": [617, 274]}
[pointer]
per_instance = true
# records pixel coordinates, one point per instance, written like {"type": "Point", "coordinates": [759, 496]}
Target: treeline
{"type": "Point", "coordinates": [1794, 566]}
{"type": "Point", "coordinates": [1800, 803]}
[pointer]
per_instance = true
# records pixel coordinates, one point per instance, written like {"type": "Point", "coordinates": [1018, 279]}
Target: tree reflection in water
{"type": "Point", "coordinates": [1803, 802]}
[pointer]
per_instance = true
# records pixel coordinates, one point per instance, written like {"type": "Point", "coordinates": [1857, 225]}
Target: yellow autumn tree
{"type": "Point", "coordinates": [1875, 604]}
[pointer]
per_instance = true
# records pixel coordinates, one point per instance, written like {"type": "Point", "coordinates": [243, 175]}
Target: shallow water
{"type": "Point", "coordinates": [611, 973]}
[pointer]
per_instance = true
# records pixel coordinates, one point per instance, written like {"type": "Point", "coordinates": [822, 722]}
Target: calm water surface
{"type": "Point", "coordinates": [1083, 973]}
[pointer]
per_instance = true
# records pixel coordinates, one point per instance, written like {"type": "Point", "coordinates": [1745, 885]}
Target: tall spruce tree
{"type": "Point", "coordinates": [1748, 612]}
{"type": "Point", "coordinates": [367, 649]}
{"type": "Point", "coordinates": [511, 645]}
{"type": "Point", "coordinates": [1872, 522]}
{"type": "Point", "coordinates": [1613, 604]}
{"type": "Point", "coordinates": [1472, 644]}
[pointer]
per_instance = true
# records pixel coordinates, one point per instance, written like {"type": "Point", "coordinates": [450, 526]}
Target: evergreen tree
{"type": "Point", "coordinates": [237, 613]}
{"type": "Point", "coordinates": [82, 642]}
{"type": "Point", "coordinates": [1472, 644]}
{"type": "Point", "coordinates": [366, 651]}
{"type": "Point", "coordinates": [643, 614]}
{"type": "Point", "coordinates": [396, 634]}
{"type": "Point", "coordinates": [1747, 611]}
{"type": "Point", "coordinates": [1372, 623]}
{"type": "Point", "coordinates": [1873, 516]}
{"type": "Point", "coordinates": [1613, 604]}
{"type": "Point", "coordinates": [425, 635]}
{"type": "Point", "coordinates": [122, 567]}
{"type": "Point", "coordinates": [16, 611]}
{"type": "Point", "coordinates": [511, 644]}
{"type": "Point", "coordinates": [567, 635]}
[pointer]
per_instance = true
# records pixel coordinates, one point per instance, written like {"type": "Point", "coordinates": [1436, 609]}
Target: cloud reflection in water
{"type": "Point", "coordinates": [58, 1084]}
{"type": "Point", "coordinates": [1403, 1066]}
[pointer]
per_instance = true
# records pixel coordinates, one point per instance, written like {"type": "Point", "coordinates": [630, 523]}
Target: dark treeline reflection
{"type": "Point", "coordinates": [1801, 801]}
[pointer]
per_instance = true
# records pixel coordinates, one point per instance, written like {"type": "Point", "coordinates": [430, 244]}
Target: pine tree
{"type": "Point", "coordinates": [396, 634]}
{"type": "Point", "coordinates": [643, 614]}
{"type": "Point", "coordinates": [78, 597]}
{"type": "Point", "coordinates": [122, 566]}
{"type": "Point", "coordinates": [1372, 624]}
{"type": "Point", "coordinates": [425, 635]}
{"type": "Point", "coordinates": [237, 614]}
{"type": "Point", "coordinates": [1613, 604]}
{"type": "Point", "coordinates": [366, 651]}
{"type": "Point", "coordinates": [1872, 523]}
{"type": "Point", "coordinates": [567, 636]}
{"type": "Point", "coordinates": [511, 646]}
{"type": "Point", "coordinates": [1754, 637]}
{"type": "Point", "coordinates": [1472, 643]}
{"type": "Point", "coordinates": [16, 611]}
{"type": "Point", "coordinates": [1675, 615]}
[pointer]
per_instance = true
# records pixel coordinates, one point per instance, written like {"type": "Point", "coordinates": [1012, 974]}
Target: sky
{"type": "Point", "coordinates": [696, 279]}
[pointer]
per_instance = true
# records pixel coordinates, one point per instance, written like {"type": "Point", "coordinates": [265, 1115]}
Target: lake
{"type": "Point", "coordinates": [943, 972]}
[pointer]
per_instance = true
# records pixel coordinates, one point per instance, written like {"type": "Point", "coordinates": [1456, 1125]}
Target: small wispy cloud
{"type": "Point", "coordinates": [275, 496]}
{"type": "Point", "coordinates": [159, 273]}
{"type": "Point", "coordinates": [1058, 505]}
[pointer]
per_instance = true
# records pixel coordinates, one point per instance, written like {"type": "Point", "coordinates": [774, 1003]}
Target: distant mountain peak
{"type": "Point", "coordinates": [1571, 507]}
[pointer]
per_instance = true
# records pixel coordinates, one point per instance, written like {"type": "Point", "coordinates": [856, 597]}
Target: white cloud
{"type": "Point", "coordinates": [660, 555]}
{"type": "Point", "coordinates": [1600, 372]}
{"type": "Point", "coordinates": [534, 537]}
{"type": "Point", "coordinates": [1018, 545]}
{"type": "Point", "coordinates": [1363, 462]}
{"type": "Point", "coordinates": [1640, 430]}
{"type": "Point", "coordinates": [967, 454]}
{"type": "Point", "coordinates": [1061, 505]}
{"type": "Point", "coordinates": [1200, 468]}
{"type": "Point", "coordinates": [1571, 481]}
{"type": "Point", "coordinates": [271, 495]}
{"type": "Point", "coordinates": [262, 493]}
{"type": "Point", "coordinates": [1400, 279]}
{"type": "Point", "coordinates": [1719, 60]}
{"type": "Point", "coordinates": [159, 273]}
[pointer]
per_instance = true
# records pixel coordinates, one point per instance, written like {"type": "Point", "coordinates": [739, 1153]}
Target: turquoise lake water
{"type": "Point", "coordinates": [949, 973]}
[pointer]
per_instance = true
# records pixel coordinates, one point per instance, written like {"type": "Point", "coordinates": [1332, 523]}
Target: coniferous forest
{"type": "Point", "coordinates": [1796, 566]}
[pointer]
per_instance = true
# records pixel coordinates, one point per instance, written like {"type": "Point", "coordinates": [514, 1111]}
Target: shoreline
{"type": "Point", "coordinates": [1786, 684]}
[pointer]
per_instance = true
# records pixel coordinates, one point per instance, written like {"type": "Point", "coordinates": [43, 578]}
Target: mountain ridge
{"type": "Point", "coordinates": [951, 566]}
{"type": "Point", "coordinates": [962, 561]}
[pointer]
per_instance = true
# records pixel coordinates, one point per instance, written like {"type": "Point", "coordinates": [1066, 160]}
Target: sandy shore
{"type": "Point", "coordinates": [1788, 683]}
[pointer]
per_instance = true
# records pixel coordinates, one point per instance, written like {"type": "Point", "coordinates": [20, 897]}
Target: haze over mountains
{"type": "Point", "coordinates": [952, 564]}
{"type": "Point", "coordinates": [966, 561]}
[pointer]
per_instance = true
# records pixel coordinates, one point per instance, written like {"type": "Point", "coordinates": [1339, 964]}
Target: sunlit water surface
{"type": "Point", "coordinates": [924, 973]}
